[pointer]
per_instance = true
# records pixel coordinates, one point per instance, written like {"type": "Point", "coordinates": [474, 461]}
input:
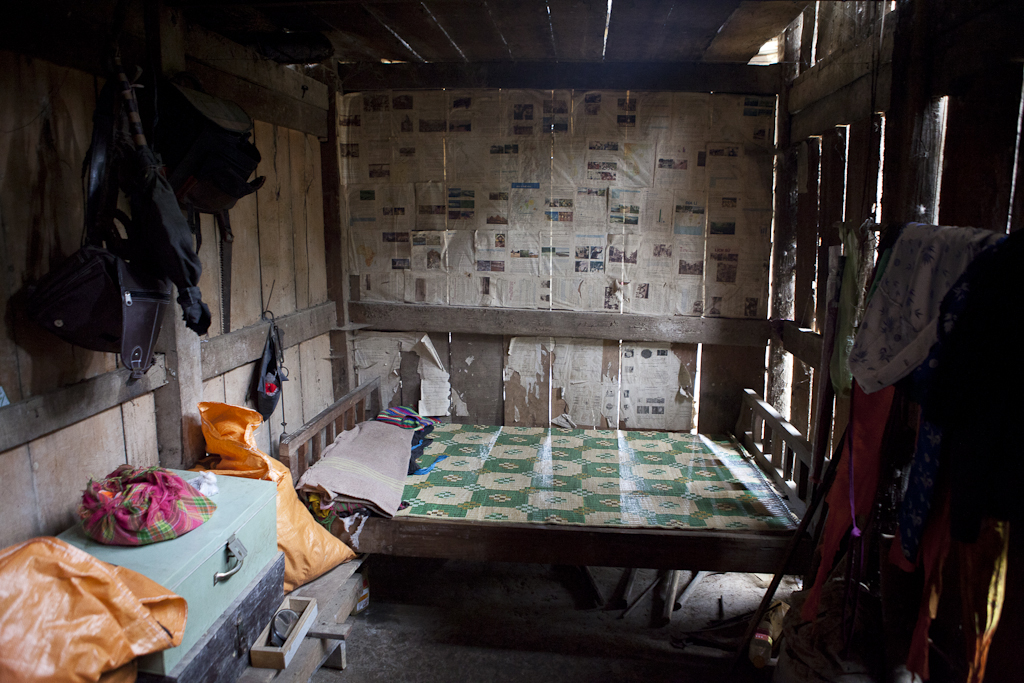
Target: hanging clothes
{"type": "Point", "coordinates": [976, 394]}
{"type": "Point", "coordinates": [869, 414]}
{"type": "Point", "coordinates": [901, 320]}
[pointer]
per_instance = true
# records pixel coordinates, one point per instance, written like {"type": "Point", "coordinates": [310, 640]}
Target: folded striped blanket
{"type": "Point", "coordinates": [365, 465]}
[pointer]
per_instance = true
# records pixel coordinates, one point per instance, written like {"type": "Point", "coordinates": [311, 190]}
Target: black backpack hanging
{"type": "Point", "coordinates": [270, 372]}
{"type": "Point", "coordinates": [96, 298]}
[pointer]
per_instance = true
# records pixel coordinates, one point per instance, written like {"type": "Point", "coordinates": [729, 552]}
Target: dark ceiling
{"type": "Point", "coordinates": [452, 31]}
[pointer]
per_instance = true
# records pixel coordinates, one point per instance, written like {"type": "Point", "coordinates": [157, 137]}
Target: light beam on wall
{"type": "Point", "coordinates": [607, 23]}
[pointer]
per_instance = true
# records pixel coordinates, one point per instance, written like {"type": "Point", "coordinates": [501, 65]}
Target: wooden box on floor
{"type": "Point", "coordinates": [266, 656]}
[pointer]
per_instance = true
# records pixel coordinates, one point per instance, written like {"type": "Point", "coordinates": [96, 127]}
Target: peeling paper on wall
{"type": "Point", "coordinates": [656, 388]}
{"type": "Point", "coordinates": [461, 409]}
{"type": "Point", "coordinates": [379, 354]}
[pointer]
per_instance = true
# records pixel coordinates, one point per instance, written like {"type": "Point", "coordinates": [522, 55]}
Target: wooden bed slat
{"type": "Point", "coordinates": [778, 448]}
{"type": "Point", "coordinates": [725, 551]}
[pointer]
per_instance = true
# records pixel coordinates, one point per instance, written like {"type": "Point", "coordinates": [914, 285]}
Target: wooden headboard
{"type": "Point", "coordinates": [778, 448]}
{"type": "Point", "coordinates": [302, 448]}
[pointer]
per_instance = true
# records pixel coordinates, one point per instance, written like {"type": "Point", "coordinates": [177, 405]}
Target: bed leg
{"type": "Point", "coordinates": [595, 590]}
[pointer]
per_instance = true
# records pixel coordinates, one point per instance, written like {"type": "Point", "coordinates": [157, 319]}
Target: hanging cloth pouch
{"type": "Point", "coordinates": [270, 373]}
{"type": "Point", "coordinates": [96, 300]}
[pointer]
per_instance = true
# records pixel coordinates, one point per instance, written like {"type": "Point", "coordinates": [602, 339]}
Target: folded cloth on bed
{"type": "Point", "coordinates": [366, 465]}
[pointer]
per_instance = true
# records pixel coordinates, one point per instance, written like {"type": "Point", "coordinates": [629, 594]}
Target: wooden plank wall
{"type": "Point", "coordinates": [278, 265]}
{"type": "Point", "coordinates": [45, 128]}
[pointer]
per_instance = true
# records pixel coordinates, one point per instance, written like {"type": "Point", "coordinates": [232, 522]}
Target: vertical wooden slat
{"type": "Point", "coordinates": [831, 206]}
{"type": "Point", "coordinates": [297, 219]}
{"type": "Point", "coordinates": [906, 179]}
{"type": "Point", "coordinates": [274, 201]}
{"type": "Point", "coordinates": [803, 295]}
{"type": "Point", "coordinates": [725, 372]}
{"type": "Point", "coordinates": [862, 168]}
{"type": "Point", "coordinates": [981, 137]}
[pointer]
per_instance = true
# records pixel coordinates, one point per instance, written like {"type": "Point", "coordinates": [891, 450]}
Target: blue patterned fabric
{"type": "Point", "coordinates": [924, 468]}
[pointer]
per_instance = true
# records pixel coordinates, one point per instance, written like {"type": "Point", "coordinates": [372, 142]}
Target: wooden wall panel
{"type": "Point", "coordinates": [317, 388]}
{"type": "Point", "coordinates": [314, 194]}
{"type": "Point", "coordinates": [862, 168]}
{"type": "Point", "coordinates": [139, 419]}
{"type": "Point", "coordinates": [246, 287]}
{"type": "Point", "coordinates": [213, 389]}
{"type": "Point", "coordinates": [289, 409]}
{"type": "Point", "coordinates": [209, 281]}
{"type": "Point", "coordinates": [276, 249]}
{"type": "Point", "coordinates": [297, 218]}
{"type": "Point", "coordinates": [808, 165]}
{"type": "Point", "coordinates": [64, 461]}
{"type": "Point", "coordinates": [477, 361]}
{"type": "Point", "coordinates": [18, 508]}
{"type": "Point", "coordinates": [725, 371]}
{"type": "Point", "coordinates": [46, 119]}
{"type": "Point", "coordinates": [978, 157]}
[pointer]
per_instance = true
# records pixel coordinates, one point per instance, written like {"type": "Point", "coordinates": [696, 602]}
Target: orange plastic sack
{"type": "Point", "coordinates": [309, 549]}
{"type": "Point", "coordinates": [67, 616]}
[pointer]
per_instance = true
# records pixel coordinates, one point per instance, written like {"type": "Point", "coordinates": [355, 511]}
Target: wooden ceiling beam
{"type": "Point", "coordinates": [684, 77]}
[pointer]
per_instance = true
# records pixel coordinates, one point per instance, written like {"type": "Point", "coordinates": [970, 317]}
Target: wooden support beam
{"type": "Point", "coordinates": [343, 374]}
{"type": "Point", "coordinates": [529, 323]}
{"type": "Point", "coordinates": [837, 71]}
{"type": "Point", "coordinates": [178, 429]}
{"type": "Point", "coordinates": [689, 77]}
{"type": "Point", "coordinates": [225, 55]}
{"type": "Point", "coordinates": [37, 416]}
{"type": "Point", "coordinates": [722, 551]}
{"type": "Point", "coordinates": [803, 343]}
{"type": "Point", "coordinates": [226, 352]}
{"type": "Point", "coordinates": [260, 102]}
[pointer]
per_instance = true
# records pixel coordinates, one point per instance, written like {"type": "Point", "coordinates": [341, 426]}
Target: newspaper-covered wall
{"type": "Point", "coordinates": [651, 203]}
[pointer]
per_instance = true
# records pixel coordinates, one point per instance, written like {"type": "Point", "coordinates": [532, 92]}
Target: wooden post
{"type": "Point", "coordinates": [334, 242]}
{"type": "Point", "coordinates": [179, 435]}
{"type": "Point", "coordinates": [178, 430]}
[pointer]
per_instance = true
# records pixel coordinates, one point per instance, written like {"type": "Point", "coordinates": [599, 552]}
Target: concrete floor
{"type": "Point", "coordinates": [445, 621]}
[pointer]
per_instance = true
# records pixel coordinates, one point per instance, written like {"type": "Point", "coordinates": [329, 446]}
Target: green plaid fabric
{"type": "Point", "coordinates": [594, 478]}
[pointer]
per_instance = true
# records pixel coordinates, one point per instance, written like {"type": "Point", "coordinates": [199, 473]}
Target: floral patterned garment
{"type": "Point", "coordinates": [900, 323]}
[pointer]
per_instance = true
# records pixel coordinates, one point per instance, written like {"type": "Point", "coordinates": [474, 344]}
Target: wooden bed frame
{"type": "Point", "coordinates": [712, 550]}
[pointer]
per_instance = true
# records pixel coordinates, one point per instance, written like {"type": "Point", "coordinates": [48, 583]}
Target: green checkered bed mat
{"type": "Point", "coordinates": [594, 478]}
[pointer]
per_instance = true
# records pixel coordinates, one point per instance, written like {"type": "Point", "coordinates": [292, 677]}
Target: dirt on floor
{"type": "Point", "coordinates": [444, 621]}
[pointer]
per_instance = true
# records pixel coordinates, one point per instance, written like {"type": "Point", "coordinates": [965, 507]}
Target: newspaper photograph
{"type": "Point", "coordinates": [474, 113]}
{"type": "Point", "coordinates": [423, 112]}
{"type": "Point", "coordinates": [429, 251]}
{"type": "Point", "coordinates": [589, 254]}
{"type": "Point", "coordinates": [558, 255]}
{"type": "Point", "coordinates": [650, 296]}
{"type": "Point", "coordinates": [624, 208]}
